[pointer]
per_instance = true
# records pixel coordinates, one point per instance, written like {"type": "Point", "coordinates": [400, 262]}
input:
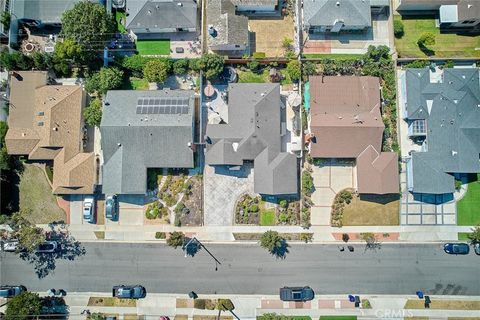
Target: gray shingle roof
{"type": "Point", "coordinates": [453, 129]}
{"type": "Point", "coordinates": [327, 12]}
{"type": "Point", "coordinates": [162, 15]}
{"type": "Point", "coordinates": [253, 133]}
{"type": "Point", "coordinates": [230, 28]}
{"type": "Point", "coordinates": [133, 142]}
{"type": "Point", "coordinates": [44, 10]}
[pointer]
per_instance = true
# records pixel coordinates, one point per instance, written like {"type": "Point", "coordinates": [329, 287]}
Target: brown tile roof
{"type": "Point", "coordinates": [45, 122]}
{"type": "Point", "coordinates": [75, 176]}
{"type": "Point", "coordinates": [347, 123]}
{"type": "Point", "coordinates": [377, 173]}
{"type": "Point", "coordinates": [345, 116]}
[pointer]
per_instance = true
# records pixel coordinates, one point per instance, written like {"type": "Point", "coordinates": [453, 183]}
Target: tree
{"type": "Point", "coordinates": [398, 30]}
{"type": "Point", "coordinates": [157, 70]}
{"type": "Point", "coordinates": [42, 60]}
{"type": "Point", "coordinates": [29, 236]}
{"type": "Point", "coordinates": [253, 65]}
{"type": "Point", "coordinates": [107, 78]}
{"type": "Point", "coordinates": [309, 68]}
{"type": "Point", "coordinates": [211, 64]}
{"type": "Point", "coordinates": [225, 305]}
{"type": "Point", "coordinates": [15, 61]}
{"type": "Point", "coordinates": [5, 19]}
{"type": "Point", "coordinates": [180, 67]}
{"type": "Point", "coordinates": [135, 64]}
{"type": "Point", "coordinates": [89, 24]}
{"type": "Point", "coordinates": [93, 112]}
{"type": "Point", "coordinates": [426, 40]}
{"type": "Point", "coordinates": [96, 316]}
{"type": "Point", "coordinates": [271, 240]}
{"type": "Point", "coordinates": [475, 235]}
{"type": "Point", "coordinates": [70, 49]}
{"type": "Point", "coordinates": [370, 240]}
{"type": "Point", "coordinates": [293, 70]}
{"type": "Point", "coordinates": [4, 157]}
{"type": "Point", "coordinates": [176, 239]}
{"type": "Point", "coordinates": [23, 306]}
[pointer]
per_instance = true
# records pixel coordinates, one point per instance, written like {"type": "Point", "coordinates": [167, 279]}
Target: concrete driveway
{"type": "Point", "coordinates": [329, 178]}
{"type": "Point", "coordinates": [222, 187]}
{"type": "Point", "coordinates": [130, 210]}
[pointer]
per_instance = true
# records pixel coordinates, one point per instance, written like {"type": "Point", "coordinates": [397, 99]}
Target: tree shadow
{"type": "Point", "coordinates": [280, 252]}
{"type": "Point", "coordinates": [373, 245]}
{"type": "Point", "coordinates": [429, 52]}
{"type": "Point", "coordinates": [67, 249]}
{"type": "Point", "coordinates": [192, 248]}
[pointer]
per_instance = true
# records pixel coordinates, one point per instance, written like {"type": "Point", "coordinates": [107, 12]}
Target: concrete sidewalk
{"type": "Point", "coordinates": [321, 234]}
{"type": "Point", "coordinates": [251, 306]}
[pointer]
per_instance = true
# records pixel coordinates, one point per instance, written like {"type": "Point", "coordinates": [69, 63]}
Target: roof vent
{"type": "Point", "coordinates": [40, 123]}
{"type": "Point", "coordinates": [180, 4]}
{"type": "Point", "coordinates": [452, 121]}
{"type": "Point", "coordinates": [469, 6]}
{"type": "Point", "coordinates": [40, 113]}
{"type": "Point", "coordinates": [454, 153]}
{"type": "Point", "coordinates": [107, 103]}
{"type": "Point", "coordinates": [55, 129]}
{"type": "Point", "coordinates": [149, 12]}
{"type": "Point", "coordinates": [119, 144]}
{"type": "Point", "coordinates": [23, 134]}
{"type": "Point", "coordinates": [337, 4]}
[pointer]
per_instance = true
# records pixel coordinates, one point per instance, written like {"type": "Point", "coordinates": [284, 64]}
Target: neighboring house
{"type": "Point", "coordinates": [45, 123]}
{"type": "Point", "coordinates": [254, 133]}
{"type": "Point", "coordinates": [4, 7]}
{"type": "Point", "coordinates": [340, 15]}
{"type": "Point", "coordinates": [227, 32]}
{"type": "Point", "coordinates": [141, 130]}
{"type": "Point", "coordinates": [162, 19]}
{"type": "Point", "coordinates": [346, 122]}
{"type": "Point", "coordinates": [443, 113]}
{"type": "Point", "coordinates": [453, 15]}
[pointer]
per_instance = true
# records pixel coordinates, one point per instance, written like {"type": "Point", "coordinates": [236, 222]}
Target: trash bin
{"type": "Point", "coordinates": [351, 298]}
{"type": "Point", "coordinates": [419, 294]}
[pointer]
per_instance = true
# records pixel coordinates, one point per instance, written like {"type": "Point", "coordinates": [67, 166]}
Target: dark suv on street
{"type": "Point", "coordinates": [296, 294]}
{"type": "Point", "coordinates": [129, 292]}
{"type": "Point", "coordinates": [11, 291]}
{"type": "Point", "coordinates": [456, 248]}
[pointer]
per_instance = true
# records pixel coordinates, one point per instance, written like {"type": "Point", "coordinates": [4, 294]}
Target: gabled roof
{"type": "Point", "coordinates": [45, 123]}
{"type": "Point", "coordinates": [167, 15]}
{"type": "Point", "coordinates": [133, 142]}
{"type": "Point", "coordinates": [253, 134]}
{"type": "Point", "coordinates": [345, 116]}
{"type": "Point", "coordinates": [328, 12]}
{"type": "Point", "coordinates": [347, 123]}
{"type": "Point", "coordinates": [453, 129]}
{"type": "Point", "coordinates": [377, 173]}
{"type": "Point", "coordinates": [47, 11]}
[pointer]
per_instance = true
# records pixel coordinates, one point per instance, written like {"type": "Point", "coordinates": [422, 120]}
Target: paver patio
{"type": "Point", "coordinates": [222, 188]}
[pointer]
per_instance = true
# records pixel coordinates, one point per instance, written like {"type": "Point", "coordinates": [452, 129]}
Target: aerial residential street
{"type": "Point", "coordinates": [249, 269]}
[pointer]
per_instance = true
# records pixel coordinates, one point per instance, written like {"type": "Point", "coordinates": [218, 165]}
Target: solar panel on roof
{"type": "Point", "coordinates": [167, 110]}
{"type": "Point", "coordinates": [150, 110]}
{"type": "Point", "coordinates": [161, 110]}
{"type": "Point", "coordinates": [179, 110]}
{"type": "Point", "coordinates": [139, 110]}
{"type": "Point", "coordinates": [171, 105]}
{"type": "Point", "coordinates": [155, 110]}
{"type": "Point", "coordinates": [185, 110]}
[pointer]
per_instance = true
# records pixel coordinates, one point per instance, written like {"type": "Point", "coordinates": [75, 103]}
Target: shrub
{"type": "Point", "coordinates": [253, 208]}
{"type": "Point", "coordinates": [210, 304]}
{"type": "Point", "coordinates": [283, 203]}
{"type": "Point", "coordinates": [104, 80]}
{"type": "Point", "coordinates": [157, 70]}
{"type": "Point", "coordinates": [293, 70]}
{"type": "Point", "coordinates": [307, 183]}
{"type": "Point", "coordinates": [5, 20]}
{"type": "Point", "coordinates": [426, 40]}
{"type": "Point", "coordinates": [253, 65]}
{"type": "Point", "coordinates": [179, 207]}
{"type": "Point", "coordinates": [225, 305]}
{"type": "Point", "coordinates": [346, 196]}
{"type": "Point", "coordinates": [177, 222]}
{"type": "Point", "coordinates": [398, 29]}
{"type": "Point", "coordinates": [449, 64]}
{"type": "Point", "coordinates": [160, 235]}
{"type": "Point", "coordinates": [93, 112]}
{"type": "Point", "coordinates": [135, 64]}
{"type": "Point", "coordinates": [306, 237]}
{"type": "Point", "coordinates": [287, 43]}
{"type": "Point", "coordinates": [283, 217]}
{"type": "Point", "coordinates": [417, 64]}
{"type": "Point", "coordinates": [180, 67]}
{"type": "Point", "coordinates": [366, 304]}
{"type": "Point", "coordinates": [458, 184]}
{"type": "Point", "coordinates": [152, 213]}
{"type": "Point", "coordinates": [258, 55]}
{"type": "Point", "coordinates": [176, 239]}
{"type": "Point", "coordinates": [211, 64]}
{"type": "Point", "coordinates": [306, 218]}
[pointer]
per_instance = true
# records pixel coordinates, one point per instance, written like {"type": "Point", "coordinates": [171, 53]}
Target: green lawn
{"type": "Point", "coordinates": [468, 212]}
{"type": "Point", "coordinates": [267, 217]}
{"type": "Point", "coordinates": [153, 47]}
{"type": "Point", "coordinates": [463, 236]}
{"type": "Point", "coordinates": [447, 45]}
{"type": "Point", "coordinates": [120, 18]}
{"type": "Point", "coordinates": [333, 56]}
{"type": "Point", "coordinates": [36, 197]}
{"type": "Point", "coordinates": [338, 317]}
{"type": "Point", "coordinates": [251, 77]}
{"type": "Point", "coordinates": [133, 83]}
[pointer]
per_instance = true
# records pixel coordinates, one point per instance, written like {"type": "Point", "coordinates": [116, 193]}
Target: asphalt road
{"type": "Point", "coordinates": [248, 269]}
